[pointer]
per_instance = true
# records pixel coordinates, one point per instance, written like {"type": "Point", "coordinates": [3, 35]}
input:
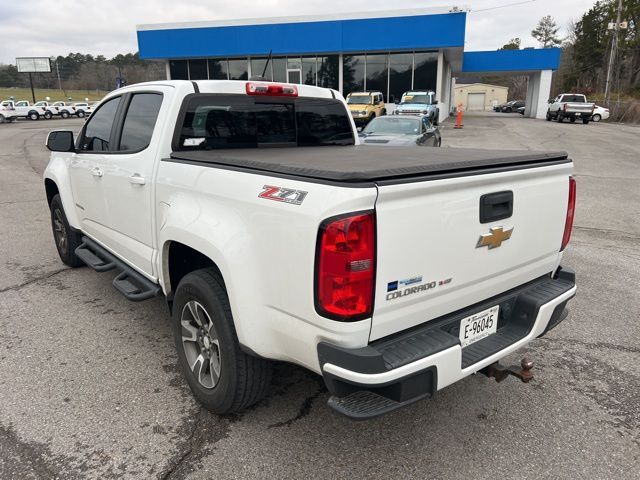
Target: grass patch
{"type": "Point", "coordinates": [55, 95]}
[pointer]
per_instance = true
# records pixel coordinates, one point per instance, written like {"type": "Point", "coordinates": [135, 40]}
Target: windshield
{"type": "Point", "coordinates": [214, 121]}
{"type": "Point", "coordinates": [393, 125]}
{"type": "Point", "coordinates": [420, 98]}
{"type": "Point", "coordinates": [359, 100]}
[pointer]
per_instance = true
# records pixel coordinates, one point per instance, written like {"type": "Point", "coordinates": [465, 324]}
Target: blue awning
{"type": "Point", "coordinates": [511, 60]}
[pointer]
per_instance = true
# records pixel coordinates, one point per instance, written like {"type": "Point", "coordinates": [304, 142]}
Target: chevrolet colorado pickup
{"type": "Point", "coordinates": [393, 272]}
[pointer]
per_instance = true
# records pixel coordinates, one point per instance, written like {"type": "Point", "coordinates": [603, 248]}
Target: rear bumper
{"type": "Point", "coordinates": [414, 364]}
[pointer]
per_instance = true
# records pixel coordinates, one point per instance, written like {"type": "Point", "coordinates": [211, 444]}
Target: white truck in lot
{"type": "Point", "coordinates": [572, 106]}
{"type": "Point", "coordinates": [393, 272]}
{"type": "Point", "coordinates": [23, 109]}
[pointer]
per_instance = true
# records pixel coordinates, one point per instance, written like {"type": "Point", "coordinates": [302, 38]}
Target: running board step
{"type": "Point", "coordinates": [128, 282]}
{"type": "Point", "coordinates": [363, 404]}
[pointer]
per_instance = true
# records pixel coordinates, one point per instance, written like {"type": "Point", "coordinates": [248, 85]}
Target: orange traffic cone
{"type": "Point", "coordinates": [459, 118]}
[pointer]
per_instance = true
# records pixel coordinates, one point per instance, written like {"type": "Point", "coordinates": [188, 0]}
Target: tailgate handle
{"type": "Point", "coordinates": [496, 206]}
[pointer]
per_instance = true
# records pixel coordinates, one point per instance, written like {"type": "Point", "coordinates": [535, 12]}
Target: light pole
{"type": "Point", "coordinates": [619, 25]}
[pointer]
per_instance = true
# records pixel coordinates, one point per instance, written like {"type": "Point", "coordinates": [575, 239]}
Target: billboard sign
{"type": "Point", "coordinates": [33, 64]}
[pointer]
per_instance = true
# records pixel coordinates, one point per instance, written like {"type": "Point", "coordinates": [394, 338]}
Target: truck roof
{"type": "Point", "coordinates": [371, 164]}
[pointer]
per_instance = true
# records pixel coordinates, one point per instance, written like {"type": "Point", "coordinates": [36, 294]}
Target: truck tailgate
{"type": "Point", "coordinates": [430, 260]}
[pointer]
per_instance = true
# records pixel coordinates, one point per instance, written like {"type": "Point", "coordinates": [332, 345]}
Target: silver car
{"type": "Point", "coordinates": [401, 130]}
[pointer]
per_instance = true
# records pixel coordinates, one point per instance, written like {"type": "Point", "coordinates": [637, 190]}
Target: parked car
{"type": "Point", "coordinates": [48, 110]}
{"type": "Point", "coordinates": [419, 103]}
{"type": "Point", "coordinates": [512, 106]}
{"type": "Point", "coordinates": [599, 113]}
{"type": "Point", "coordinates": [23, 109]}
{"type": "Point", "coordinates": [571, 106]}
{"type": "Point", "coordinates": [365, 106]}
{"type": "Point", "coordinates": [392, 272]}
{"type": "Point", "coordinates": [81, 109]}
{"type": "Point", "coordinates": [520, 110]}
{"type": "Point", "coordinates": [401, 130]}
{"type": "Point", "coordinates": [498, 108]}
{"type": "Point", "coordinates": [64, 109]}
{"type": "Point", "coordinates": [7, 115]}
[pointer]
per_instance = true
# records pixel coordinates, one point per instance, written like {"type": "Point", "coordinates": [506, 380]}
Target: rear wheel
{"type": "Point", "coordinates": [2, 119]}
{"type": "Point", "coordinates": [80, 114]}
{"type": "Point", "coordinates": [67, 239]}
{"type": "Point", "coordinates": [221, 376]}
{"type": "Point", "coordinates": [572, 119]}
{"type": "Point", "coordinates": [64, 114]}
{"type": "Point", "coordinates": [596, 117]}
{"type": "Point", "coordinates": [48, 115]}
{"type": "Point", "coordinates": [33, 116]}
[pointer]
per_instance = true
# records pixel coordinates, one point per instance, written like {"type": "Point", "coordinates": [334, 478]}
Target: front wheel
{"type": "Point", "coordinates": [80, 114]}
{"type": "Point", "coordinates": [33, 116]}
{"type": "Point", "coordinates": [585, 121]}
{"type": "Point", "coordinates": [221, 376]}
{"type": "Point", "coordinates": [596, 117]}
{"type": "Point", "coordinates": [572, 119]}
{"type": "Point", "coordinates": [48, 115]}
{"type": "Point", "coordinates": [67, 239]}
{"type": "Point", "coordinates": [548, 117]}
{"type": "Point", "coordinates": [559, 118]}
{"type": "Point", "coordinates": [64, 114]}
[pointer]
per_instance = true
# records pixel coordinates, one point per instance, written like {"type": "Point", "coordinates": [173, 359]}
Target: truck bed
{"type": "Point", "coordinates": [357, 164]}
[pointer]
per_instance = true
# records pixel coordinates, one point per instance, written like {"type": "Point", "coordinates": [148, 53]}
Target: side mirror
{"type": "Point", "coordinates": [435, 102]}
{"type": "Point", "coordinates": [60, 141]}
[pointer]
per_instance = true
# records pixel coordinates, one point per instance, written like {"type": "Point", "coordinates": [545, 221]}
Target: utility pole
{"type": "Point", "coordinates": [612, 54]}
{"type": "Point", "coordinates": [33, 94]}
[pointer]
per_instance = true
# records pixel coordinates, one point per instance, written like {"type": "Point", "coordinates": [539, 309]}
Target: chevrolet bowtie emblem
{"type": "Point", "coordinates": [495, 238]}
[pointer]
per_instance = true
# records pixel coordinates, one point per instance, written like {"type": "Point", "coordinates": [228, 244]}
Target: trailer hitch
{"type": "Point", "coordinates": [500, 372]}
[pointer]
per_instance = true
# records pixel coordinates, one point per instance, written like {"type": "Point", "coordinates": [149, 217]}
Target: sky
{"type": "Point", "coordinates": [108, 27]}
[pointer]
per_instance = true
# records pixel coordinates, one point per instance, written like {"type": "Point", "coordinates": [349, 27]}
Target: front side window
{"type": "Point", "coordinates": [240, 121]}
{"type": "Point", "coordinates": [139, 122]}
{"type": "Point", "coordinates": [98, 129]}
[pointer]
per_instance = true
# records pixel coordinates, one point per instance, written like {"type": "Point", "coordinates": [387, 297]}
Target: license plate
{"type": "Point", "coordinates": [478, 326]}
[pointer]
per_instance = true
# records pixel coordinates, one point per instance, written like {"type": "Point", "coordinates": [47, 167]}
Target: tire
{"type": "Point", "coordinates": [559, 118]}
{"type": "Point", "coordinates": [371, 117]}
{"type": "Point", "coordinates": [596, 117]}
{"type": "Point", "coordinates": [33, 116]}
{"type": "Point", "coordinates": [548, 117]}
{"type": "Point", "coordinates": [48, 115]}
{"type": "Point", "coordinates": [64, 114]}
{"type": "Point", "coordinates": [80, 114]}
{"type": "Point", "coordinates": [66, 238]}
{"type": "Point", "coordinates": [242, 380]}
{"type": "Point", "coordinates": [572, 119]}
{"type": "Point", "coordinates": [2, 119]}
{"type": "Point", "coordinates": [585, 121]}
{"type": "Point", "coordinates": [384, 112]}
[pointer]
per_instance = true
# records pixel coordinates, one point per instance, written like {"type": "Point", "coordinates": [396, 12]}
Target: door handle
{"type": "Point", "coordinates": [137, 179]}
{"type": "Point", "coordinates": [96, 172]}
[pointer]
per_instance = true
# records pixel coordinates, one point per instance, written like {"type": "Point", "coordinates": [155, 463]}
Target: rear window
{"type": "Point", "coordinates": [574, 98]}
{"type": "Point", "coordinates": [213, 121]}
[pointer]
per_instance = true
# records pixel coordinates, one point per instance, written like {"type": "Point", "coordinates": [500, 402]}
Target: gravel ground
{"type": "Point", "coordinates": [89, 386]}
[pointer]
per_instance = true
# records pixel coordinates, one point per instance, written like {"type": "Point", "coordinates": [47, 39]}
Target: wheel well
{"type": "Point", "coordinates": [182, 259]}
{"type": "Point", "coordinates": [51, 189]}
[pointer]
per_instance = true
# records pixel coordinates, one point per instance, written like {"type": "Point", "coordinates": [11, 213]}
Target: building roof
{"type": "Point", "coordinates": [512, 61]}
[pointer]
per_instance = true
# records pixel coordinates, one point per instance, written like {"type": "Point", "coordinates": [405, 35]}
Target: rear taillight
{"type": "Point", "coordinates": [271, 89]}
{"type": "Point", "coordinates": [571, 208]}
{"type": "Point", "coordinates": [345, 267]}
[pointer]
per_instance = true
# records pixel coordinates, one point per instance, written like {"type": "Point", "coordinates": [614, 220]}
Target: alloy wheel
{"type": "Point", "coordinates": [201, 344]}
{"type": "Point", "coordinates": [60, 231]}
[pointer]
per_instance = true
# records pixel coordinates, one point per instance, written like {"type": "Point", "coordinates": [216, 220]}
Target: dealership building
{"type": "Point", "coordinates": [391, 52]}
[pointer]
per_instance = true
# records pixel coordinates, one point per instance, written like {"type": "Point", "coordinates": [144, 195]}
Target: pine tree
{"type": "Point", "coordinates": [546, 32]}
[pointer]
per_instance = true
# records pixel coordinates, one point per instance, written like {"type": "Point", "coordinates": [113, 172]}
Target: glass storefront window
{"type": "Point", "coordinates": [377, 74]}
{"type": "Point", "coordinates": [279, 69]}
{"type": "Point", "coordinates": [353, 73]}
{"type": "Point", "coordinates": [257, 67]}
{"type": "Point", "coordinates": [328, 72]}
{"type": "Point", "coordinates": [198, 70]}
{"type": "Point", "coordinates": [309, 70]}
{"type": "Point", "coordinates": [218, 69]}
{"type": "Point", "coordinates": [400, 70]}
{"type": "Point", "coordinates": [178, 70]}
{"type": "Point", "coordinates": [426, 71]}
{"type": "Point", "coordinates": [238, 69]}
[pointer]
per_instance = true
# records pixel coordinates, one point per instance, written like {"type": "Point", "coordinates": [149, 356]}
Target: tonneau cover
{"type": "Point", "coordinates": [366, 163]}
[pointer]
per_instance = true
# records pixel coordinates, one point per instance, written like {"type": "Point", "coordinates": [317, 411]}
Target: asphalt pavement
{"type": "Point", "coordinates": [89, 386]}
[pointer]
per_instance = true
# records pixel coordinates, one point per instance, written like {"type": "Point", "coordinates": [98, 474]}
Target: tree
{"type": "Point", "coordinates": [546, 32]}
{"type": "Point", "coordinates": [513, 44]}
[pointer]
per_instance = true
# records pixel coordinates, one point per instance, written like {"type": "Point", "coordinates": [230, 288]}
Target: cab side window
{"type": "Point", "coordinates": [426, 125]}
{"type": "Point", "coordinates": [139, 122]}
{"type": "Point", "coordinates": [97, 132]}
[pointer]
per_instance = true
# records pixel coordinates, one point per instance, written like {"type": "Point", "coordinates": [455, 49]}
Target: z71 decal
{"type": "Point", "coordinates": [281, 194]}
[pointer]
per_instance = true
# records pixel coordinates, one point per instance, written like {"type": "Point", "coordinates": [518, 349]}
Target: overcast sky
{"type": "Point", "coordinates": [107, 27]}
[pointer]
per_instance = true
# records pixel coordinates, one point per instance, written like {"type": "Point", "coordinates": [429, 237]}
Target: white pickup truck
{"type": "Point", "coordinates": [393, 272]}
{"type": "Point", "coordinates": [23, 109]}
{"type": "Point", "coordinates": [572, 106]}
